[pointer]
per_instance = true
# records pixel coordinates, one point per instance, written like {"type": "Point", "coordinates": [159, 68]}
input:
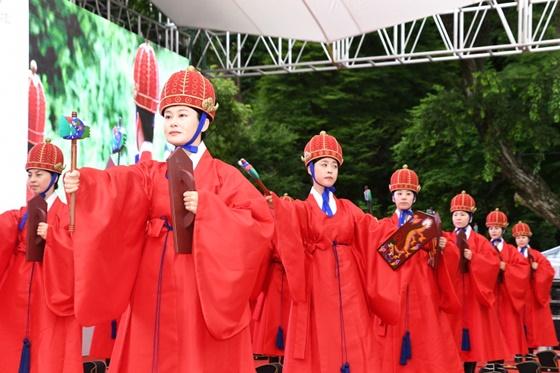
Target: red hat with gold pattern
{"type": "Point", "coordinates": [521, 229]}
{"type": "Point", "coordinates": [190, 88]}
{"type": "Point", "coordinates": [45, 156]}
{"type": "Point", "coordinates": [404, 179]}
{"type": "Point", "coordinates": [146, 78]}
{"type": "Point", "coordinates": [497, 219]}
{"type": "Point", "coordinates": [321, 146]}
{"type": "Point", "coordinates": [37, 104]}
{"type": "Point", "coordinates": [463, 202]}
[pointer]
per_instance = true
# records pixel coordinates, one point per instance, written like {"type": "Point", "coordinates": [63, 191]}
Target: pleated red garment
{"type": "Point", "coordinates": [537, 317]}
{"type": "Point", "coordinates": [428, 295]}
{"type": "Point", "coordinates": [271, 311]}
{"type": "Point", "coordinates": [337, 282]}
{"type": "Point", "coordinates": [510, 299]}
{"type": "Point", "coordinates": [55, 338]}
{"type": "Point", "coordinates": [187, 313]}
{"type": "Point", "coordinates": [475, 290]}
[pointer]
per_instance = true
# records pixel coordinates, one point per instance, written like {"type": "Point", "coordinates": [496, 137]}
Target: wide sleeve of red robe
{"type": "Point", "coordinates": [14, 276]}
{"type": "Point", "coordinates": [271, 309]}
{"type": "Point", "coordinates": [538, 317]}
{"type": "Point", "coordinates": [475, 290]}
{"type": "Point", "coordinates": [9, 222]}
{"type": "Point", "coordinates": [111, 222]}
{"type": "Point", "coordinates": [180, 304]}
{"type": "Point", "coordinates": [57, 272]}
{"type": "Point", "coordinates": [58, 266]}
{"type": "Point", "coordinates": [511, 298]}
{"type": "Point", "coordinates": [483, 268]}
{"type": "Point", "coordinates": [381, 281]}
{"type": "Point", "coordinates": [58, 276]}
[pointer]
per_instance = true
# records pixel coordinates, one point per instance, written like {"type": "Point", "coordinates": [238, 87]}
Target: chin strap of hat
{"type": "Point", "coordinates": [325, 206]}
{"type": "Point", "coordinates": [194, 148]}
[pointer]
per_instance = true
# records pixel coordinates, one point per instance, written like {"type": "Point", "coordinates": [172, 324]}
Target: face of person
{"type": "Point", "coordinates": [521, 241]}
{"type": "Point", "coordinates": [326, 171]}
{"type": "Point", "coordinates": [403, 199]}
{"type": "Point", "coordinates": [495, 232]}
{"type": "Point", "coordinates": [460, 219]}
{"type": "Point", "coordinates": [180, 123]}
{"type": "Point", "coordinates": [38, 180]}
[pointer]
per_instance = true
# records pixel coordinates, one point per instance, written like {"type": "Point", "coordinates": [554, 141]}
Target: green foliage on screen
{"type": "Point", "coordinates": [86, 65]}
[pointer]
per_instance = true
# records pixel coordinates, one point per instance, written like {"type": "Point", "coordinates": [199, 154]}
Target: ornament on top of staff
{"type": "Point", "coordinates": [72, 128]}
{"type": "Point", "coordinates": [118, 142]}
{"type": "Point", "coordinates": [252, 172]}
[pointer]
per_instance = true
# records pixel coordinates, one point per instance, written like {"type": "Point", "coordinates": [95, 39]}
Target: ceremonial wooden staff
{"type": "Point", "coordinates": [72, 128]}
{"type": "Point", "coordinates": [254, 175]}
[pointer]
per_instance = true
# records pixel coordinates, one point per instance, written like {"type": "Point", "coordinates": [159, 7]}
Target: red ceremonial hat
{"type": "Point", "coordinates": [463, 202]}
{"type": "Point", "coordinates": [404, 179]}
{"type": "Point", "coordinates": [497, 219]}
{"type": "Point", "coordinates": [189, 87]}
{"type": "Point", "coordinates": [320, 146]}
{"type": "Point", "coordinates": [146, 78]}
{"type": "Point", "coordinates": [521, 229]}
{"type": "Point", "coordinates": [37, 104]}
{"type": "Point", "coordinates": [45, 156]}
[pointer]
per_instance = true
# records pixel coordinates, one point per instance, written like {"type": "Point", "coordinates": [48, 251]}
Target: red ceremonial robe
{"type": "Point", "coordinates": [427, 295]}
{"type": "Point", "coordinates": [56, 339]}
{"type": "Point", "coordinates": [537, 316]}
{"type": "Point", "coordinates": [103, 340]}
{"type": "Point", "coordinates": [475, 290]}
{"type": "Point", "coordinates": [188, 313]}
{"type": "Point", "coordinates": [272, 310]}
{"type": "Point", "coordinates": [511, 299]}
{"type": "Point", "coordinates": [332, 296]}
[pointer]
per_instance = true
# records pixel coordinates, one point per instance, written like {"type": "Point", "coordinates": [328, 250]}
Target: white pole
{"type": "Point", "coordinates": [14, 37]}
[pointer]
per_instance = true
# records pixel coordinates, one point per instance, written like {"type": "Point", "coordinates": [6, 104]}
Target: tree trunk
{"type": "Point", "coordinates": [533, 190]}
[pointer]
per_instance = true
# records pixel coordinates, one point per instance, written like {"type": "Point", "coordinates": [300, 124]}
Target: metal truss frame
{"type": "Point", "coordinates": [486, 29]}
{"type": "Point", "coordinates": [159, 30]}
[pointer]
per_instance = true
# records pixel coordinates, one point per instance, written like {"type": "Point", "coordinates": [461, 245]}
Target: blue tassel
{"type": "Point", "coordinates": [466, 340]}
{"type": "Point", "coordinates": [113, 329]}
{"type": "Point", "coordinates": [280, 338]}
{"type": "Point", "coordinates": [406, 348]}
{"type": "Point", "coordinates": [25, 360]}
{"type": "Point", "coordinates": [345, 368]}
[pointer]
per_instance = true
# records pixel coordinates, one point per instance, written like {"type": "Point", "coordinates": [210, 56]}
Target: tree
{"type": "Point", "coordinates": [496, 139]}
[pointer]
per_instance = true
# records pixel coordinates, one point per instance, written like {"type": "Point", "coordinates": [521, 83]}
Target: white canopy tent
{"type": "Point", "coordinates": [251, 38]}
{"type": "Point", "coordinates": [311, 20]}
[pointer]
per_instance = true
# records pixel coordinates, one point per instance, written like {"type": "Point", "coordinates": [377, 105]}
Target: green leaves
{"type": "Point", "coordinates": [452, 139]}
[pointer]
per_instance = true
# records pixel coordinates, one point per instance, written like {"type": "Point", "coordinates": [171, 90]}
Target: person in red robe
{"type": "Point", "coordinates": [186, 312]}
{"type": "Point", "coordinates": [271, 309]}
{"type": "Point", "coordinates": [422, 340]}
{"type": "Point", "coordinates": [476, 328]}
{"type": "Point", "coordinates": [511, 286]}
{"type": "Point", "coordinates": [323, 245]}
{"type": "Point", "coordinates": [34, 337]}
{"type": "Point", "coordinates": [537, 317]}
